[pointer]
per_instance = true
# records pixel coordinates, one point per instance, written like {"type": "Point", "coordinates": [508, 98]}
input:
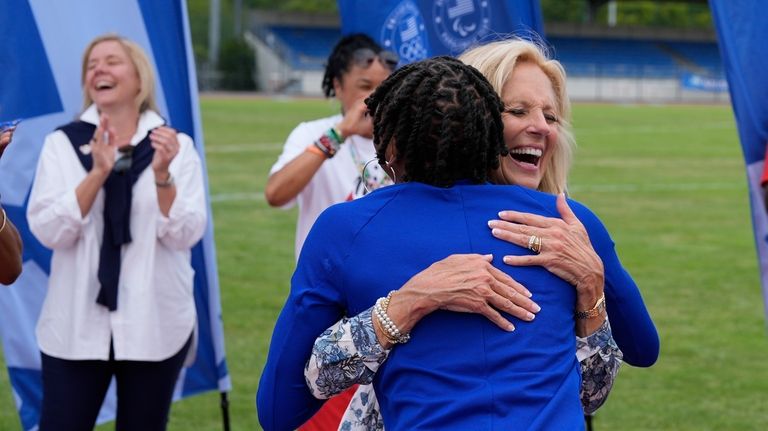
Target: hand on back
{"type": "Point", "coordinates": [565, 251]}
{"type": "Point", "coordinates": [469, 283]}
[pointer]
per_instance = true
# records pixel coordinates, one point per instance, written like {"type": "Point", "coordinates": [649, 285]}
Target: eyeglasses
{"type": "Point", "coordinates": [364, 57]}
{"type": "Point", "coordinates": [124, 162]}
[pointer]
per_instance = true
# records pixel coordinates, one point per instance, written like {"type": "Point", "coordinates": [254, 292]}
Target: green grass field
{"type": "Point", "coordinates": [669, 183]}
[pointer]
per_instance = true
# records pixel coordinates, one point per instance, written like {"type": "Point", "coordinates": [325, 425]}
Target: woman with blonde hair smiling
{"type": "Point", "coordinates": [119, 198]}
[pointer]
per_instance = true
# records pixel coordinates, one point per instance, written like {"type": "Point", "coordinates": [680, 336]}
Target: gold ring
{"type": "Point", "coordinates": [534, 244]}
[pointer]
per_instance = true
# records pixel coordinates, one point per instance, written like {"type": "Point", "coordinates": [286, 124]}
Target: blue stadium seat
{"type": "Point", "coordinates": [614, 57]}
{"type": "Point", "coordinates": [705, 55]}
{"type": "Point", "coordinates": [306, 48]}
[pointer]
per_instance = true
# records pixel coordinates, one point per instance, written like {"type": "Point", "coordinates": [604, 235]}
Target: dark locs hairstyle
{"type": "Point", "coordinates": [444, 119]}
{"type": "Point", "coordinates": [341, 57]}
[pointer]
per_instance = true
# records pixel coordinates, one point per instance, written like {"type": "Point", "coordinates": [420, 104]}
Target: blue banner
{"type": "Point", "coordinates": [418, 29]}
{"type": "Point", "coordinates": [742, 34]}
{"type": "Point", "coordinates": [43, 42]}
{"type": "Point", "coordinates": [691, 81]}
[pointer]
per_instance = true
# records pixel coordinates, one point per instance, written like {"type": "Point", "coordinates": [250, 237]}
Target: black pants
{"type": "Point", "coordinates": [73, 392]}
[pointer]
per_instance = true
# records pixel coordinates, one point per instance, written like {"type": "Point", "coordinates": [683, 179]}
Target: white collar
{"type": "Point", "coordinates": [148, 120]}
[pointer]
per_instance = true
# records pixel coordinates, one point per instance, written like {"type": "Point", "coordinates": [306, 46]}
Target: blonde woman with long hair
{"type": "Point", "coordinates": [119, 199]}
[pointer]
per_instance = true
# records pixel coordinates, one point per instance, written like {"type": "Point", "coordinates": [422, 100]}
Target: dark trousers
{"type": "Point", "coordinates": [73, 392]}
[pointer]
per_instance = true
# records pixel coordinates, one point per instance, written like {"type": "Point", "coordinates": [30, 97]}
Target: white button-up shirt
{"type": "Point", "coordinates": [155, 314]}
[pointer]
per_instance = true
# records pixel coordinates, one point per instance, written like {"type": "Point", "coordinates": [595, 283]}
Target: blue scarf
{"type": "Point", "coordinates": [118, 189]}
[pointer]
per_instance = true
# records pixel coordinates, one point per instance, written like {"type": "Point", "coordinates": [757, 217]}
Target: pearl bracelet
{"type": "Point", "coordinates": [391, 331]}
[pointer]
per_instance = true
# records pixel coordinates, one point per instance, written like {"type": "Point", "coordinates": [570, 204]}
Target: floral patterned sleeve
{"type": "Point", "coordinates": [600, 359]}
{"type": "Point", "coordinates": [345, 354]}
{"type": "Point", "coordinates": [349, 353]}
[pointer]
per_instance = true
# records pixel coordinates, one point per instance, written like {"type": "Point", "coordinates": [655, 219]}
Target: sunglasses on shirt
{"type": "Point", "coordinates": [364, 57]}
{"type": "Point", "coordinates": [125, 159]}
{"type": "Point", "coordinates": [124, 162]}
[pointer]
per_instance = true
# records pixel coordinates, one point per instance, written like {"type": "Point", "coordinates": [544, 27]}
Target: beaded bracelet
{"type": "Point", "coordinates": [391, 331]}
{"type": "Point", "coordinates": [330, 142]}
{"type": "Point", "coordinates": [336, 134]}
{"type": "Point", "coordinates": [391, 334]}
{"type": "Point", "coordinates": [377, 324]}
{"type": "Point", "coordinates": [326, 145]}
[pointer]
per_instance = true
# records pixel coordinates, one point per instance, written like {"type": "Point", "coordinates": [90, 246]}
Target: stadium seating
{"type": "Point", "coordinates": [306, 48]}
{"type": "Point", "coordinates": [612, 57]}
{"type": "Point", "coordinates": [704, 55]}
{"type": "Point", "coordinates": [635, 58]}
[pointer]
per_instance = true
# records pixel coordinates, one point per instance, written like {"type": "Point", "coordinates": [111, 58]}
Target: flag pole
{"type": "Point", "coordinates": [224, 403]}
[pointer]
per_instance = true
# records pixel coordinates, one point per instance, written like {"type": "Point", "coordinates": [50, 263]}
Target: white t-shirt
{"type": "Point", "coordinates": [339, 179]}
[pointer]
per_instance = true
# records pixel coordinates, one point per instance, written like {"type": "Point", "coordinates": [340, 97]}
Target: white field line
{"type": "Point", "coordinates": [258, 195]}
{"type": "Point", "coordinates": [237, 197]}
{"type": "Point", "coordinates": [244, 148]}
{"type": "Point", "coordinates": [610, 130]}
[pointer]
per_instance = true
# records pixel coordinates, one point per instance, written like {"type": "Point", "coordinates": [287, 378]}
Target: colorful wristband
{"type": "Point", "coordinates": [313, 148]}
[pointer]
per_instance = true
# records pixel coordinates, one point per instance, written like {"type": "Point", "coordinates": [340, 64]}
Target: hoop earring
{"type": "Point", "coordinates": [374, 180]}
{"type": "Point", "coordinates": [362, 174]}
{"type": "Point", "coordinates": [388, 163]}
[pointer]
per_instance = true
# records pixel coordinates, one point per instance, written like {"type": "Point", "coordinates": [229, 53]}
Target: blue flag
{"type": "Point", "coordinates": [43, 42]}
{"type": "Point", "coordinates": [418, 29]}
{"type": "Point", "coordinates": [742, 34]}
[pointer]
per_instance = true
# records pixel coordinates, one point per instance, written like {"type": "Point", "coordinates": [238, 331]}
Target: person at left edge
{"type": "Point", "coordinates": [10, 241]}
{"type": "Point", "coordinates": [119, 198]}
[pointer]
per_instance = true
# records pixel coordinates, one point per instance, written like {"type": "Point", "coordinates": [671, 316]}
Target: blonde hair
{"type": "Point", "coordinates": [497, 60]}
{"type": "Point", "coordinates": [146, 97]}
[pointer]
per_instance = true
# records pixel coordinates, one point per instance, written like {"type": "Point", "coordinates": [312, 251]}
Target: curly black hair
{"type": "Point", "coordinates": [444, 119]}
{"type": "Point", "coordinates": [341, 58]}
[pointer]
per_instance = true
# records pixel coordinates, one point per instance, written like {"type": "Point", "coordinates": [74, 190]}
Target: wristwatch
{"type": "Point", "coordinates": [167, 183]}
{"type": "Point", "coordinates": [594, 311]}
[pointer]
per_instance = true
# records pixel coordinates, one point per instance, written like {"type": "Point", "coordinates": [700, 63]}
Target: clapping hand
{"type": "Point", "coordinates": [166, 147]}
{"type": "Point", "coordinates": [103, 146]}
